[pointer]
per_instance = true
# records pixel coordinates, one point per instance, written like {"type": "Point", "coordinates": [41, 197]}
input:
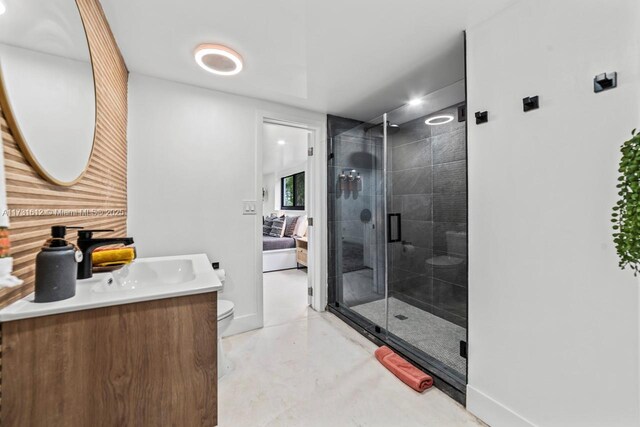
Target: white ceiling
{"type": "Point", "coordinates": [276, 157]}
{"type": "Point", "coordinates": [354, 58]}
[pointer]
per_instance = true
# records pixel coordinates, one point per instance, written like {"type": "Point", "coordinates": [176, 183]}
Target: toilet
{"type": "Point", "coordinates": [225, 317]}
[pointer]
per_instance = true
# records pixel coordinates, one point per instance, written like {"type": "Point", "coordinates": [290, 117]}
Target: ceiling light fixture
{"type": "Point", "coordinates": [439, 120]}
{"type": "Point", "coordinates": [415, 101]}
{"type": "Point", "coordinates": [3, 9]}
{"type": "Point", "coordinates": [218, 59]}
{"type": "Point", "coordinates": [281, 142]}
{"type": "Point", "coordinates": [394, 125]}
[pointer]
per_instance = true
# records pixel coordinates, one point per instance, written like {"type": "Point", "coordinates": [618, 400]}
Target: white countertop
{"type": "Point", "coordinates": [148, 279]}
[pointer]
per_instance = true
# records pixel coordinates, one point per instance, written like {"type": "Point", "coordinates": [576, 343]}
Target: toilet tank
{"type": "Point", "coordinates": [456, 242]}
{"type": "Point", "coordinates": [222, 275]}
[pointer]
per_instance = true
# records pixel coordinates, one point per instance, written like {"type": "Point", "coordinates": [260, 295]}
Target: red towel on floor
{"type": "Point", "coordinates": [405, 371]}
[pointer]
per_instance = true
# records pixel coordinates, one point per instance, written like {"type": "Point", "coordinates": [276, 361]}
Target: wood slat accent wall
{"type": "Point", "coordinates": [103, 187]}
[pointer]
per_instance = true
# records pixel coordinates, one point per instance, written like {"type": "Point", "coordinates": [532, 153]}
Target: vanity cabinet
{"type": "Point", "coordinates": [152, 363]}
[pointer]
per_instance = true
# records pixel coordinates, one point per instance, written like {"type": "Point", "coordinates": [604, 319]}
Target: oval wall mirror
{"type": "Point", "coordinates": [48, 92]}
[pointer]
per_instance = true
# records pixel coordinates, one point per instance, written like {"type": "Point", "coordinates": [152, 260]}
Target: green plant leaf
{"type": "Point", "coordinates": [625, 217]}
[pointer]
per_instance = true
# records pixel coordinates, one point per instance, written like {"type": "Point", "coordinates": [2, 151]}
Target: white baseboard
{"type": "Point", "coordinates": [492, 412]}
{"type": "Point", "coordinates": [245, 323]}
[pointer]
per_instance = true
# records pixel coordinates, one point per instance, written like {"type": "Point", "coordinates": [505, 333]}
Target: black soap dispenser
{"type": "Point", "coordinates": [56, 267]}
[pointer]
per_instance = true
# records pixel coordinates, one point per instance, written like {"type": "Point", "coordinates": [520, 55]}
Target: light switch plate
{"type": "Point", "coordinates": [249, 207]}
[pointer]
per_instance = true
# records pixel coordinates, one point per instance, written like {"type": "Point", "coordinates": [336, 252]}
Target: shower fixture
{"type": "Point", "coordinates": [357, 182]}
{"type": "Point", "coordinates": [350, 182]}
{"type": "Point", "coordinates": [342, 178]}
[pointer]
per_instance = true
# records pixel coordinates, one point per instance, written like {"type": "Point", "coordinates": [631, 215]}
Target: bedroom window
{"type": "Point", "coordinates": [293, 192]}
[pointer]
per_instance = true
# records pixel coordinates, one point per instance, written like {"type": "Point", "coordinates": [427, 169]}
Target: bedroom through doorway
{"type": "Point", "coordinates": [285, 201]}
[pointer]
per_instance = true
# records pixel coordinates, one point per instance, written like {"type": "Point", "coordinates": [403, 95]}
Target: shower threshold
{"type": "Point", "coordinates": [448, 380]}
{"type": "Point", "coordinates": [426, 332]}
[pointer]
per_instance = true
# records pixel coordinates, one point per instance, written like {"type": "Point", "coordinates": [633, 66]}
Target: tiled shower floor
{"type": "Point", "coordinates": [437, 337]}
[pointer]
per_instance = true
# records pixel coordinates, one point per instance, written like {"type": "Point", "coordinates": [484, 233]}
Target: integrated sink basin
{"type": "Point", "coordinates": [149, 272]}
{"type": "Point", "coordinates": [143, 280]}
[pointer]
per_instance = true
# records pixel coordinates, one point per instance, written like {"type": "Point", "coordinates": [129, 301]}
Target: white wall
{"type": "Point", "coordinates": [192, 160]}
{"type": "Point", "coordinates": [553, 321]}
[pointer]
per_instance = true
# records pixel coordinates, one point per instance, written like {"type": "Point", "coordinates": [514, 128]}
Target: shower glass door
{"type": "Point", "coordinates": [427, 246]}
{"type": "Point", "coordinates": [398, 231]}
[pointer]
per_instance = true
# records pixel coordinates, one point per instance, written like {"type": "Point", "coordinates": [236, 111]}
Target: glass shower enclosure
{"type": "Point", "coordinates": [397, 204]}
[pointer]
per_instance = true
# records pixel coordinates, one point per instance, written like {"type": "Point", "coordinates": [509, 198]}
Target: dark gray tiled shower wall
{"type": "Point", "coordinates": [428, 188]}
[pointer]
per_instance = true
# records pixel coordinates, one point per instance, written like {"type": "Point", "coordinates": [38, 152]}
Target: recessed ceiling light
{"type": "Point", "coordinates": [439, 120]}
{"type": "Point", "coordinates": [3, 9]}
{"type": "Point", "coordinates": [281, 142]}
{"type": "Point", "coordinates": [218, 59]}
{"type": "Point", "coordinates": [394, 125]}
{"type": "Point", "coordinates": [415, 101]}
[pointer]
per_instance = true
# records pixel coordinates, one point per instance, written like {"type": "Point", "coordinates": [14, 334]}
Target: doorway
{"type": "Point", "coordinates": [287, 193]}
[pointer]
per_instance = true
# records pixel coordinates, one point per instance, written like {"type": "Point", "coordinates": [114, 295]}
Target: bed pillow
{"type": "Point", "coordinates": [277, 228]}
{"type": "Point", "coordinates": [301, 227]}
{"type": "Point", "coordinates": [290, 226]}
{"type": "Point", "coordinates": [267, 224]}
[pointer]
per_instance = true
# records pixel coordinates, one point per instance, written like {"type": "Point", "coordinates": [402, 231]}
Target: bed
{"type": "Point", "coordinates": [278, 253]}
{"type": "Point", "coordinates": [270, 243]}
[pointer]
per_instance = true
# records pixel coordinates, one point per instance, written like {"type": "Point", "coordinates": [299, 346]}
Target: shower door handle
{"type": "Point", "coordinates": [390, 218]}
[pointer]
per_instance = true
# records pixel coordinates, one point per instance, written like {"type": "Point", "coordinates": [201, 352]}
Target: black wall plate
{"type": "Point", "coordinates": [605, 81]}
{"type": "Point", "coordinates": [482, 117]}
{"type": "Point", "coordinates": [530, 103]}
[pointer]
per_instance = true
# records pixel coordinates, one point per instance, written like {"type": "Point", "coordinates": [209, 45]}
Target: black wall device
{"type": "Point", "coordinates": [482, 117]}
{"type": "Point", "coordinates": [530, 103]}
{"type": "Point", "coordinates": [605, 81]}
